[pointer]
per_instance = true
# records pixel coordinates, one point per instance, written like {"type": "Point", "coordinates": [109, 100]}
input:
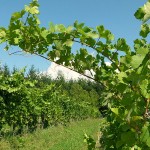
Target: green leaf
{"type": "Point", "coordinates": [51, 27]}
{"type": "Point", "coordinates": [83, 52]}
{"type": "Point", "coordinates": [115, 110]}
{"type": "Point", "coordinates": [138, 43]}
{"type": "Point", "coordinates": [110, 37]}
{"type": "Point", "coordinates": [121, 76]}
{"type": "Point", "coordinates": [142, 51]}
{"type": "Point", "coordinates": [145, 133]}
{"type": "Point", "coordinates": [90, 142]}
{"type": "Point", "coordinates": [122, 45]}
{"type": "Point", "coordinates": [69, 29]}
{"type": "Point", "coordinates": [119, 143]}
{"type": "Point", "coordinates": [2, 33]}
{"type": "Point", "coordinates": [143, 13]}
{"type": "Point", "coordinates": [6, 47]}
{"type": "Point", "coordinates": [100, 29]}
{"type": "Point", "coordinates": [92, 35]}
{"type": "Point", "coordinates": [87, 29]}
{"type": "Point", "coordinates": [105, 33]}
{"type": "Point", "coordinates": [121, 87]}
{"type": "Point", "coordinates": [144, 30]}
{"type": "Point", "coordinates": [148, 142]}
{"type": "Point", "coordinates": [127, 100]}
{"type": "Point", "coordinates": [144, 88]}
{"type": "Point", "coordinates": [57, 53]}
{"type": "Point", "coordinates": [146, 9]}
{"type": "Point", "coordinates": [44, 33]}
{"type": "Point", "coordinates": [125, 127]}
{"type": "Point", "coordinates": [27, 8]}
{"type": "Point", "coordinates": [90, 41]}
{"type": "Point", "coordinates": [37, 20]}
{"type": "Point", "coordinates": [136, 60]}
{"type": "Point", "coordinates": [128, 138]}
{"type": "Point", "coordinates": [78, 25]}
{"type": "Point", "coordinates": [68, 43]}
{"type": "Point", "coordinates": [60, 28]}
{"type": "Point", "coordinates": [136, 118]}
{"type": "Point", "coordinates": [33, 10]}
{"type": "Point", "coordinates": [139, 14]}
{"type": "Point", "coordinates": [15, 16]}
{"type": "Point", "coordinates": [135, 147]}
{"type": "Point", "coordinates": [16, 40]}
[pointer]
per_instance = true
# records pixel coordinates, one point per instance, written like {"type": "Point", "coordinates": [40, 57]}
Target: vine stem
{"type": "Point", "coordinates": [71, 69]}
{"type": "Point", "coordinates": [62, 66]}
{"type": "Point", "coordinates": [147, 105]}
{"type": "Point", "coordinates": [93, 47]}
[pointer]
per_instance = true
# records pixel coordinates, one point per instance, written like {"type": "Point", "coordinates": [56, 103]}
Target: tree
{"type": "Point", "coordinates": [32, 73]}
{"type": "Point", "coordinates": [6, 70]}
{"type": "Point", "coordinates": [14, 70]}
{"type": "Point", "coordinates": [126, 80]}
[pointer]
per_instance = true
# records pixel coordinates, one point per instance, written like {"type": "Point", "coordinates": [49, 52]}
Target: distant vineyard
{"type": "Point", "coordinates": [32, 101]}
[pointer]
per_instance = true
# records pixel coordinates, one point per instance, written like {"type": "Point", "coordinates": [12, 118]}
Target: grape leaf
{"type": "Point", "coordinates": [115, 110]}
{"type": "Point", "coordinates": [128, 137]}
{"type": "Point", "coordinates": [51, 27]}
{"type": "Point", "coordinates": [33, 10]}
{"type": "Point", "coordinates": [148, 142]}
{"type": "Point", "coordinates": [145, 133]}
{"type": "Point", "coordinates": [144, 30]}
{"type": "Point", "coordinates": [136, 60]}
{"type": "Point", "coordinates": [2, 33]}
{"type": "Point", "coordinates": [139, 14]}
{"type": "Point", "coordinates": [68, 43]}
{"type": "Point", "coordinates": [144, 88]}
{"type": "Point", "coordinates": [146, 9]}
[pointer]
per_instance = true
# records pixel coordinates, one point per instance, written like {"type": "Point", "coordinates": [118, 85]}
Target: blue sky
{"type": "Point", "coordinates": [115, 15]}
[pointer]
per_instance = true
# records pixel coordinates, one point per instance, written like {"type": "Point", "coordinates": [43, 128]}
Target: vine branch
{"type": "Point", "coordinates": [93, 47]}
{"type": "Point", "coordinates": [62, 66]}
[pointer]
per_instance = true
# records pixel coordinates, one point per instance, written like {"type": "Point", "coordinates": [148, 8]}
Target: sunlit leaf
{"type": "Point", "coordinates": [136, 60]}
{"type": "Point", "coordinates": [68, 43]}
{"type": "Point", "coordinates": [33, 10]}
{"type": "Point", "coordinates": [115, 110]}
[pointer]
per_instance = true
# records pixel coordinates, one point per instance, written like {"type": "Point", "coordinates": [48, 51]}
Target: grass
{"type": "Point", "coordinates": [70, 137]}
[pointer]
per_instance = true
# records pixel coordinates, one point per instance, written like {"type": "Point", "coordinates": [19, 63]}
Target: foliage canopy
{"type": "Point", "coordinates": [126, 81]}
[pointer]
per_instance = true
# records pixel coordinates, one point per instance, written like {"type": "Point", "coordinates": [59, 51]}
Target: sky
{"type": "Point", "coordinates": [115, 15]}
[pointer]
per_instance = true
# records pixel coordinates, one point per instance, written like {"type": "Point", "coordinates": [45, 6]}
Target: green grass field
{"type": "Point", "coordinates": [69, 137]}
